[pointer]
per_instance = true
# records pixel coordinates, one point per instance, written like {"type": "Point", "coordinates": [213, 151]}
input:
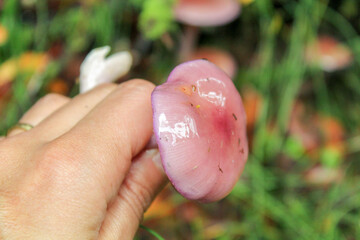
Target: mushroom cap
{"type": "Point", "coordinates": [222, 59]}
{"type": "Point", "coordinates": [205, 13]}
{"type": "Point", "coordinates": [328, 53]}
{"type": "Point", "coordinates": [200, 127]}
{"type": "Point", "coordinates": [323, 176]}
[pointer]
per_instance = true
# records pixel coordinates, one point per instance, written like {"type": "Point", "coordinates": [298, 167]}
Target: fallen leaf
{"type": "Point", "coordinates": [58, 86]}
{"type": "Point", "coordinates": [8, 71]}
{"type": "Point", "coordinates": [33, 62]}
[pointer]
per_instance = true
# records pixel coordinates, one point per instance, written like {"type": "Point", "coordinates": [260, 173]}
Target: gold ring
{"type": "Point", "coordinates": [22, 126]}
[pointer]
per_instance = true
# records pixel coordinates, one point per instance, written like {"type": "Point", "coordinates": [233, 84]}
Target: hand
{"type": "Point", "coordinates": [80, 173]}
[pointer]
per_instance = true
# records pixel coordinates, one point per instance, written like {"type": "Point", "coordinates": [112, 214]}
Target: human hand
{"type": "Point", "coordinates": [79, 173]}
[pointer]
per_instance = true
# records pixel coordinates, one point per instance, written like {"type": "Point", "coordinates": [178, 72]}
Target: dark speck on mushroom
{"type": "Point", "coordinates": [234, 116]}
{"type": "Point", "coordinates": [220, 169]}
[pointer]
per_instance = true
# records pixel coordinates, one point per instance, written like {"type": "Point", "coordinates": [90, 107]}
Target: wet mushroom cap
{"type": "Point", "coordinates": [202, 13]}
{"type": "Point", "coordinates": [200, 127]}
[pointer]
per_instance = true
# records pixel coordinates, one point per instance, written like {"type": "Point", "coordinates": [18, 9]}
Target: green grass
{"type": "Point", "coordinates": [270, 201]}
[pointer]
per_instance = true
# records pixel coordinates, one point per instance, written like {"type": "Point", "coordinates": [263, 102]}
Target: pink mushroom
{"type": "Point", "coordinates": [200, 128]}
{"type": "Point", "coordinates": [202, 13]}
{"type": "Point", "coordinates": [323, 176]}
{"type": "Point", "coordinates": [207, 13]}
{"type": "Point", "coordinates": [328, 53]}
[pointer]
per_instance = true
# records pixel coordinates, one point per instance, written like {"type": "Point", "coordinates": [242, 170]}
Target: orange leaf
{"type": "Point", "coordinates": [33, 62]}
{"type": "Point", "coordinates": [8, 71]}
{"type": "Point", "coordinates": [58, 86]}
{"type": "Point", "coordinates": [160, 208]}
{"type": "Point", "coordinates": [3, 35]}
{"type": "Point", "coordinates": [252, 101]}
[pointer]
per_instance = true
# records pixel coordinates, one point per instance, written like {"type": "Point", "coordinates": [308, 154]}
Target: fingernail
{"type": "Point", "coordinates": [155, 156]}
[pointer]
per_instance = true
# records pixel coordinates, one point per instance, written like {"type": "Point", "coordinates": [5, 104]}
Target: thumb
{"type": "Point", "coordinates": [144, 180]}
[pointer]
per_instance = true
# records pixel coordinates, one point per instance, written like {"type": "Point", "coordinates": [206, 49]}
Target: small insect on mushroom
{"type": "Point", "coordinates": [200, 141]}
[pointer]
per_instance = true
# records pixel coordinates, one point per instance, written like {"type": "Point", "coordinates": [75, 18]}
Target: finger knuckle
{"type": "Point", "coordinates": [138, 86]}
{"type": "Point", "coordinates": [58, 160]}
{"type": "Point", "coordinates": [138, 196]}
{"type": "Point", "coordinates": [52, 98]}
{"type": "Point", "coordinates": [106, 86]}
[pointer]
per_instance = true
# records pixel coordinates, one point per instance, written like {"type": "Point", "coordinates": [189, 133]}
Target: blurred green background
{"type": "Point", "coordinates": [298, 71]}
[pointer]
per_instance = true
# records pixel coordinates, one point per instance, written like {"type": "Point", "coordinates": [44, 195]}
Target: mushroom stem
{"type": "Point", "coordinates": [191, 34]}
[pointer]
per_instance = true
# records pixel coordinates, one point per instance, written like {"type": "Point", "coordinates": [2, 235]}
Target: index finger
{"type": "Point", "coordinates": [116, 130]}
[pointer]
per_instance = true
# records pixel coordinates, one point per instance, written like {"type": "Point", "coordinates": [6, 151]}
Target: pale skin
{"type": "Point", "coordinates": [82, 171]}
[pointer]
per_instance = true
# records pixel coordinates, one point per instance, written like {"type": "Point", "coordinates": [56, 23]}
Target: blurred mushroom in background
{"type": "Point", "coordinates": [202, 13]}
{"type": "Point", "coordinates": [328, 53]}
{"type": "Point", "coordinates": [222, 59]}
